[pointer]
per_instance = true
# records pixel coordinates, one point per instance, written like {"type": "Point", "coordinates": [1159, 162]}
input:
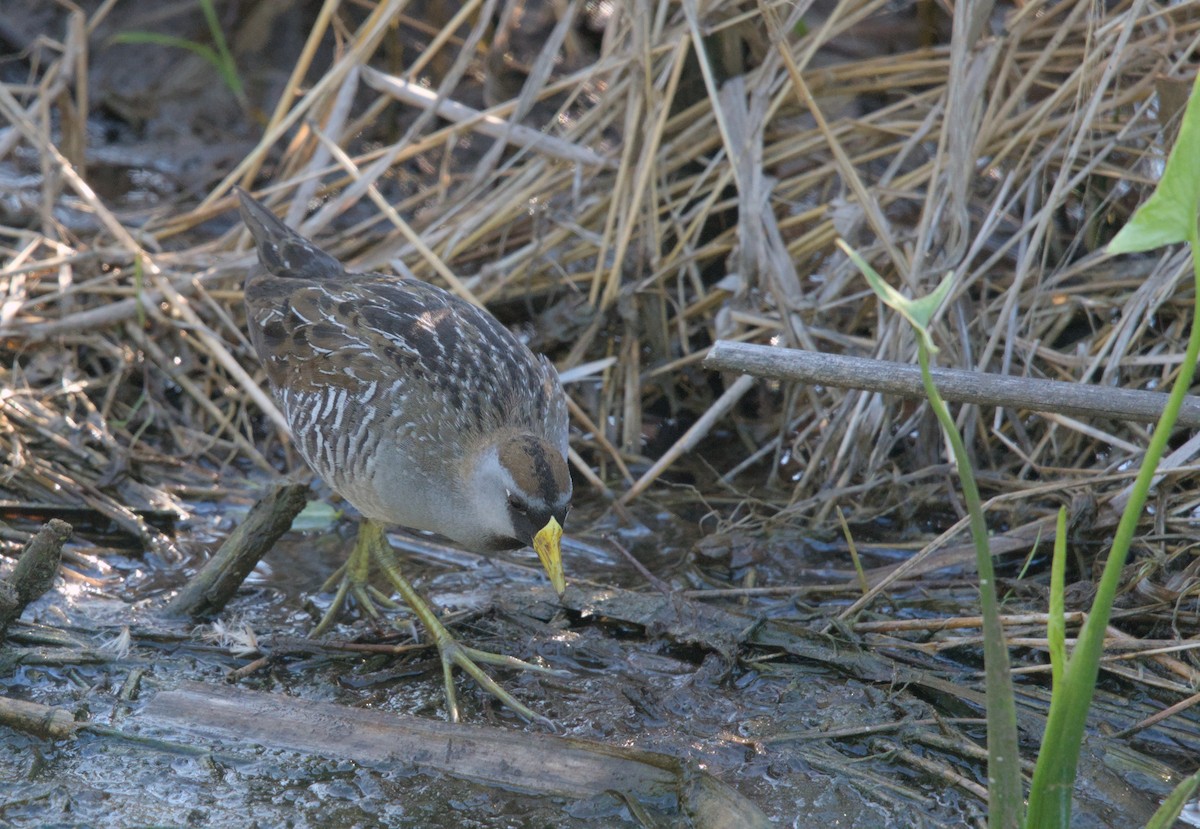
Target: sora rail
{"type": "Point", "coordinates": [418, 408]}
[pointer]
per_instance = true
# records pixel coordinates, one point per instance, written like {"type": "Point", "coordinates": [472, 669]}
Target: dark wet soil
{"type": "Point", "coordinates": [752, 717]}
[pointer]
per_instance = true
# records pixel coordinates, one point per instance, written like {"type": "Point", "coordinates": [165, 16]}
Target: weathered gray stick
{"type": "Point", "coordinates": [956, 385]}
{"type": "Point", "coordinates": [209, 590]}
{"type": "Point", "coordinates": [538, 763]}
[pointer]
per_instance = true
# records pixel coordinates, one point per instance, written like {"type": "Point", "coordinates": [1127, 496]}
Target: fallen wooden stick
{"type": "Point", "coordinates": [522, 760]}
{"type": "Point", "coordinates": [35, 571]}
{"type": "Point", "coordinates": [207, 592]}
{"type": "Point", "coordinates": [956, 385]}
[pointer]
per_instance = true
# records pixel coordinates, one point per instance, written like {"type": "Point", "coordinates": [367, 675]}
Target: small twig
{"type": "Point", "coordinates": [692, 436]}
{"type": "Point", "coordinates": [654, 580]}
{"type": "Point", "coordinates": [485, 122]}
{"type": "Point", "coordinates": [853, 549]}
{"type": "Point", "coordinates": [958, 622]}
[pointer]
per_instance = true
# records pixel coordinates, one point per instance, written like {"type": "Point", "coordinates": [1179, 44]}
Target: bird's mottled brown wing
{"type": "Point", "coordinates": [305, 335]}
{"type": "Point", "coordinates": [390, 336]}
{"type": "Point", "coordinates": [475, 367]}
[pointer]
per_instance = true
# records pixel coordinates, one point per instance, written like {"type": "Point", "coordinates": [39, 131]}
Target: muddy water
{"type": "Point", "coordinates": [753, 721]}
{"type": "Point", "coordinates": [626, 687]}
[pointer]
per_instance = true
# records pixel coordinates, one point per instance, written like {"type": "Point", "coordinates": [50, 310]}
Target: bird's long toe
{"type": "Point", "coordinates": [351, 580]}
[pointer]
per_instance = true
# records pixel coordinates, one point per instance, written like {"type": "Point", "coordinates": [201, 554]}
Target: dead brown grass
{"type": "Point", "coordinates": [684, 179]}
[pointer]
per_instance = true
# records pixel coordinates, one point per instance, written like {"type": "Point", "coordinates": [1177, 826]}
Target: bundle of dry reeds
{"type": "Point", "coordinates": [627, 182]}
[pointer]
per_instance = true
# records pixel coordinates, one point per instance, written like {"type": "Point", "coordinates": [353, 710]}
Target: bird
{"type": "Point", "coordinates": [420, 409]}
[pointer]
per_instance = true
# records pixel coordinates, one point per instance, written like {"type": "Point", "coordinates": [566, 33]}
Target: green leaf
{"type": "Point", "coordinates": [316, 515]}
{"type": "Point", "coordinates": [924, 309]}
{"type": "Point", "coordinates": [1167, 813]}
{"type": "Point", "coordinates": [918, 312]}
{"type": "Point", "coordinates": [220, 57]}
{"type": "Point", "coordinates": [1169, 215]}
{"type": "Point", "coordinates": [225, 63]}
{"type": "Point", "coordinates": [156, 39]}
{"type": "Point", "coordinates": [1056, 628]}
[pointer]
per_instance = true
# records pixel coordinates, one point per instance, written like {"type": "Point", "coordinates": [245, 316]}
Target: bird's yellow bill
{"type": "Point", "coordinates": [548, 545]}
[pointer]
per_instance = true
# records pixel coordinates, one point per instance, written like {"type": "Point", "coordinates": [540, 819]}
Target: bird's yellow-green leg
{"type": "Point", "coordinates": [351, 579]}
{"type": "Point", "coordinates": [452, 652]}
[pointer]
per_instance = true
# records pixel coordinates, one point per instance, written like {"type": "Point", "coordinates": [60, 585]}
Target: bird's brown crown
{"type": "Point", "coordinates": [537, 468]}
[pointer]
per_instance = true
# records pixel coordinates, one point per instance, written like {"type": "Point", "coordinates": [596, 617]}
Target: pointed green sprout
{"type": "Point", "coordinates": [918, 312]}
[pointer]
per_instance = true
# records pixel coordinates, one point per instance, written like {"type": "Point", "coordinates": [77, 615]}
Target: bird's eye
{"type": "Point", "coordinates": [517, 503]}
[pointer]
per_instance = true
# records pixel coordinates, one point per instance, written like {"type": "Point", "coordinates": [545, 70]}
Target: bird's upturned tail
{"type": "Point", "coordinates": [281, 250]}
